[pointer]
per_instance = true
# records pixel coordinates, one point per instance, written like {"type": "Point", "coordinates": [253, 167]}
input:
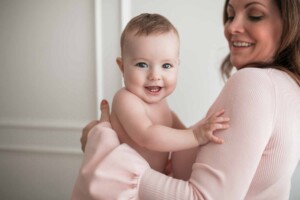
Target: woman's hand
{"type": "Point", "coordinates": [107, 164]}
{"type": "Point", "coordinates": [105, 117]}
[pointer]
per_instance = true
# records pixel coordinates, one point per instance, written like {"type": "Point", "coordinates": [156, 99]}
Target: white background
{"type": "Point", "coordinates": [57, 60]}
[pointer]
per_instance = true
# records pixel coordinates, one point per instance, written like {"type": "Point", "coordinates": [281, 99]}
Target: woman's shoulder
{"type": "Point", "coordinates": [263, 77]}
{"type": "Point", "coordinates": [252, 77]}
{"type": "Point", "coordinates": [250, 84]}
{"type": "Point", "coordinates": [250, 72]}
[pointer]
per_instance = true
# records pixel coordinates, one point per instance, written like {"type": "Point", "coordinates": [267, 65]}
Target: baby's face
{"type": "Point", "coordinates": [150, 64]}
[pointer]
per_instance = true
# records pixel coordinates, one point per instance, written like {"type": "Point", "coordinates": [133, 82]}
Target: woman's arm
{"type": "Point", "coordinates": [220, 171]}
{"type": "Point", "coordinates": [226, 171]}
{"type": "Point", "coordinates": [135, 120]}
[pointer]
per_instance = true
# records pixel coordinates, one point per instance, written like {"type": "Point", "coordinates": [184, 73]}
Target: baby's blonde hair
{"type": "Point", "coordinates": [147, 24]}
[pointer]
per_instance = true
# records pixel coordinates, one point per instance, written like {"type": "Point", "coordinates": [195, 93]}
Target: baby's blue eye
{"type": "Point", "coordinates": [167, 66]}
{"type": "Point", "coordinates": [141, 65]}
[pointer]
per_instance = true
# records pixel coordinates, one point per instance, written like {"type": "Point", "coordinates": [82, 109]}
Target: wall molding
{"type": "Point", "coordinates": [40, 150]}
{"type": "Point", "coordinates": [25, 140]}
{"type": "Point", "coordinates": [125, 7]}
{"type": "Point", "coordinates": [36, 124]}
{"type": "Point", "coordinates": [98, 53]}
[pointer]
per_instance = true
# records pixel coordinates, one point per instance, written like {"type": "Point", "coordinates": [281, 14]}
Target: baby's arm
{"type": "Point", "coordinates": [132, 115]}
{"type": "Point", "coordinates": [203, 130]}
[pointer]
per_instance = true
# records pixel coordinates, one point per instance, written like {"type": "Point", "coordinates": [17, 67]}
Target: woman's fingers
{"type": "Point", "coordinates": [85, 132]}
{"type": "Point", "coordinates": [104, 117]}
{"type": "Point", "coordinates": [104, 108]}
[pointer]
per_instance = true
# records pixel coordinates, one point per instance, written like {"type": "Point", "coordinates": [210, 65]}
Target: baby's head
{"type": "Point", "coordinates": [146, 24]}
{"type": "Point", "coordinates": [150, 57]}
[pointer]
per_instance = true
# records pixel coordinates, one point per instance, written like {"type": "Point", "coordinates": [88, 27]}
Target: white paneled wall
{"type": "Point", "coordinates": [47, 94]}
{"type": "Point", "coordinates": [57, 60]}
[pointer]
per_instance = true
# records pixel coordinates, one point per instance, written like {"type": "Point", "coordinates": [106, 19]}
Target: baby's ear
{"type": "Point", "coordinates": [120, 64]}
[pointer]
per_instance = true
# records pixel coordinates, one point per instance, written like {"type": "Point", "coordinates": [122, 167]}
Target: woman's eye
{"type": "Point", "coordinates": [167, 66]}
{"type": "Point", "coordinates": [141, 65]}
{"type": "Point", "coordinates": [230, 18]}
{"type": "Point", "coordinates": [230, 14]}
{"type": "Point", "coordinates": [255, 18]}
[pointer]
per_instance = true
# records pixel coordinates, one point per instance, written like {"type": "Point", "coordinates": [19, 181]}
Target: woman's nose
{"type": "Point", "coordinates": [236, 26]}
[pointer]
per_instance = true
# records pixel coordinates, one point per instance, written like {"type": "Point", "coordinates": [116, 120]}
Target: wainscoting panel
{"type": "Point", "coordinates": [39, 160]}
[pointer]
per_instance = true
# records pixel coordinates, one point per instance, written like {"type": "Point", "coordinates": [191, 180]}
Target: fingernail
{"type": "Point", "coordinates": [103, 102]}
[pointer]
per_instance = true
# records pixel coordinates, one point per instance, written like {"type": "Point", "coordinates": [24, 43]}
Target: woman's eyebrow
{"type": "Point", "coordinates": [248, 4]}
{"type": "Point", "coordinates": [254, 2]}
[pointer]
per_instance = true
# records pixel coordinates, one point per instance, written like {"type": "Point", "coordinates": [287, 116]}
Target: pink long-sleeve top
{"type": "Point", "coordinates": [256, 162]}
{"type": "Point", "coordinates": [261, 149]}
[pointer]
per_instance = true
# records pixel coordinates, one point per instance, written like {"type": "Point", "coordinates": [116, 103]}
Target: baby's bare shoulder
{"type": "Point", "coordinates": [124, 98]}
{"type": "Point", "coordinates": [125, 94]}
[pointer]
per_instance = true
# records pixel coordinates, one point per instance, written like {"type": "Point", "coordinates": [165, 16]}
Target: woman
{"type": "Point", "coordinates": [262, 99]}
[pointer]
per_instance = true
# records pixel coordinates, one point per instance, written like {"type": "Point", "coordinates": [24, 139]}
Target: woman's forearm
{"type": "Point", "coordinates": [154, 185]}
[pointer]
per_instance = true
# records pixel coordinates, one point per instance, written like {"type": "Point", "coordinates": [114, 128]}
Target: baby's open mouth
{"type": "Point", "coordinates": [153, 89]}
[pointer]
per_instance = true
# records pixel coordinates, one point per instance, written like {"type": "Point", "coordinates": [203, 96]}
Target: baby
{"type": "Point", "coordinates": [140, 113]}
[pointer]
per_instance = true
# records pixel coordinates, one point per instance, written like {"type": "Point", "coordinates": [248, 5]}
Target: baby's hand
{"type": "Point", "coordinates": [204, 129]}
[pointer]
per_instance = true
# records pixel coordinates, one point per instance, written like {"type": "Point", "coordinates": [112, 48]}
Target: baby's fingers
{"type": "Point", "coordinates": [216, 139]}
{"type": "Point", "coordinates": [219, 126]}
{"type": "Point", "coordinates": [219, 113]}
{"type": "Point", "coordinates": [221, 119]}
{"type": "Point", "coordinates": [217, 117]}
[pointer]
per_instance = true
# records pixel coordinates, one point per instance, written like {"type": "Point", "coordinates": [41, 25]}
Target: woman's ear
{"type": "Point", "coordinates": [120, 63]}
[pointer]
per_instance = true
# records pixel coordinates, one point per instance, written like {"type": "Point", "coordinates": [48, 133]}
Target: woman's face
{"type": "Point", "coordinates": [253, 31]}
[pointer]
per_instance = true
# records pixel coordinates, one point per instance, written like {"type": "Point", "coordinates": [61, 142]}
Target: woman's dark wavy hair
{"type": "Point", "coordinates": [287, 57]}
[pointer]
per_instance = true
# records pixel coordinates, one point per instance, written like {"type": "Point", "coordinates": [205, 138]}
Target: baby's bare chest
{"type": "Point", "coordinates": [160, 115]}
